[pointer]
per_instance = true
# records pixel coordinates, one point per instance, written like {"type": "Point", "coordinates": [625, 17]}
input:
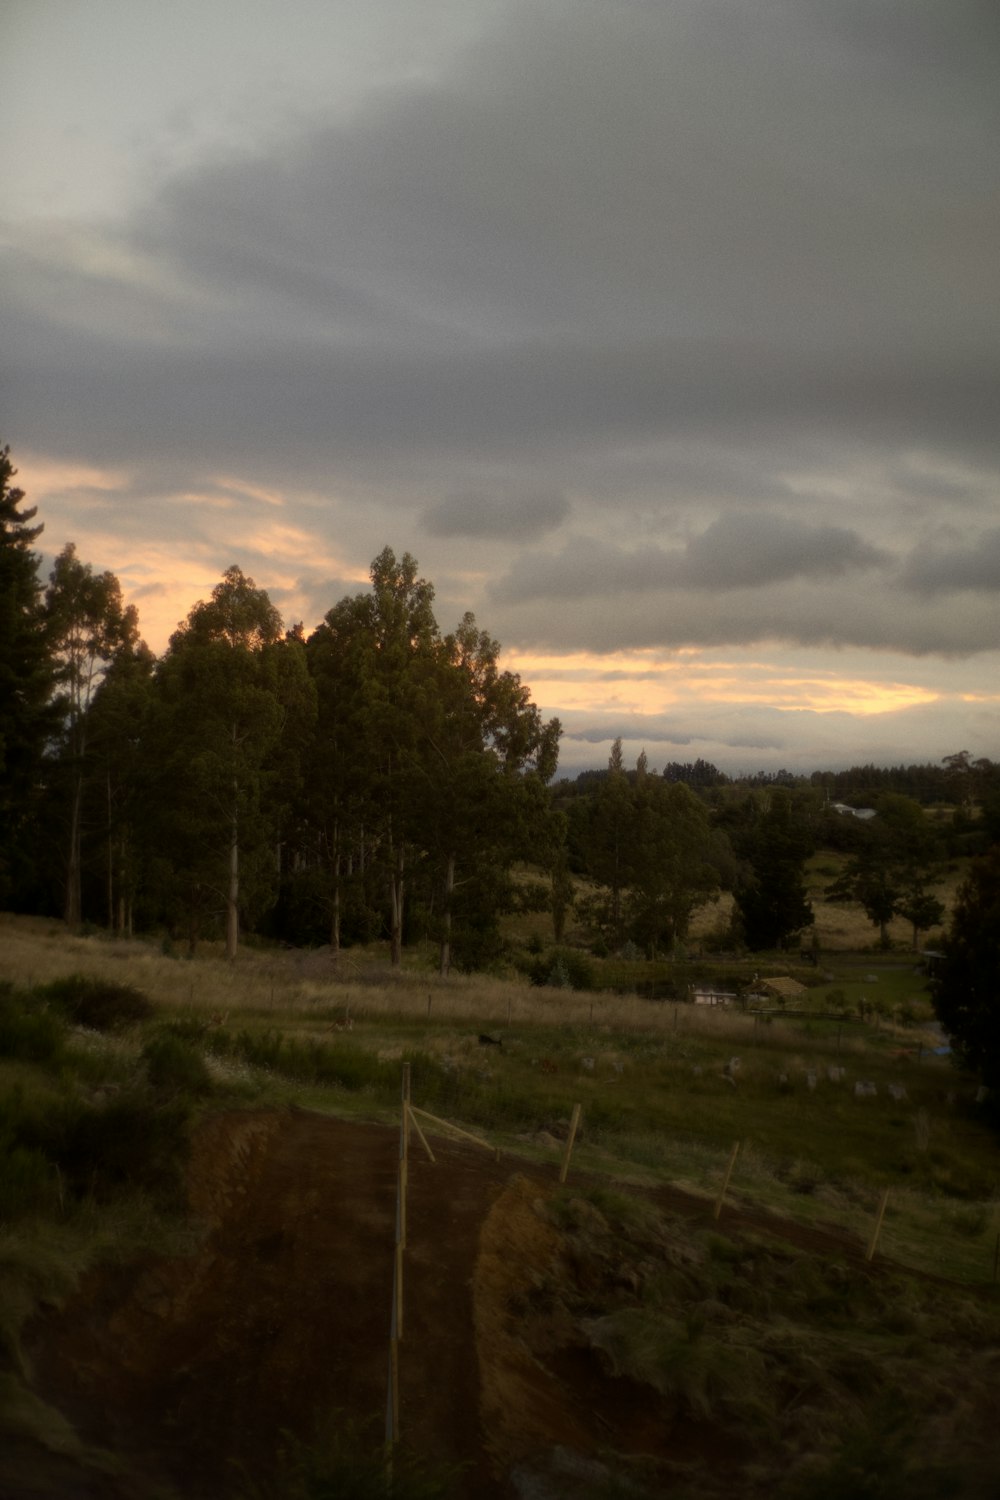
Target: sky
{"type": "Point", "coordinates": [665, 334]}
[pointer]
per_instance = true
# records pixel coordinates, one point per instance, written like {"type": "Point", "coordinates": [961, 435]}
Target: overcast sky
{"type": "Point", "coordinates": [664, 333]}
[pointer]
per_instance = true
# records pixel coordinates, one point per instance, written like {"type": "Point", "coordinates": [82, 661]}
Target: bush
{"type": "Point", "coordinates": [98, 1003]}
{"type": "Point", "coordinates": [28, 1180]}
{"type": "Point", "coordinates": [131, 1141]}
{"type": "Point", "coordinates": [26, 1032]}
{"type": "Point", "coordinates": [174, 1066]}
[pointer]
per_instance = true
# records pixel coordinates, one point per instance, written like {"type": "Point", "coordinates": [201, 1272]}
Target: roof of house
{"type": "Point", "coordinates": [782, 985]}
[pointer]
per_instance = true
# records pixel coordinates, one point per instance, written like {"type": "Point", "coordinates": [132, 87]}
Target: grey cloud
{"type": "Point", "coordinates": [492, 516]}
{"type": "Point", "coordinates": [653, 257]}
{"type": "Point", "coordinates": [818, 615]}
{"type": "Point", "coordinates": [743, 551]}
{"type": "Point", "coordinates": [735, 552]}
{"type": "Point", "coordinates": [974, 567]}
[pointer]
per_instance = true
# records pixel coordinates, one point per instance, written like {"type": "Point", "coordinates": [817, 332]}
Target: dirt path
{"type": "Point", "coordinates": [282, 1318]}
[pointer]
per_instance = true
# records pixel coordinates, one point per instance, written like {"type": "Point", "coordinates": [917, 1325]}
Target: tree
{"type": "Point", "coordinates": [423, 756]}
{"type": "Point", "coordinates": [894, 863]}
{"type": "Point", "coordinates": [119, 742]}
{"type": "Point", "coordinates": [669, 865]}
{"type": "Point", "coordinates": [774, 841]}
{"type": "Point", "coordinates": [88, 626]}
{"type": "Point", "coordinates": [606, 838]}
{"type": "Point", "coordinates": [966, 990]}
{"type": "Point", "coordinates": [222, 694]}
{"type": "Point", "coordinates": [26, 683]}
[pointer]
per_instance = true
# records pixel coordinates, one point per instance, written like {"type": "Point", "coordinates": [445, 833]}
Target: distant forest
{"type": "Point", "coordinates": [382, 779]}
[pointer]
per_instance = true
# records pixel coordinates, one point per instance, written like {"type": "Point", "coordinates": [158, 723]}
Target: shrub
{"type": "Point", "coordinates": [28, 1180]}
{"type": "Point", "coordinates": [174, 1066]}
{"type": "Point", "coordinates": [132, 1140]}
{"type": "Point", "coordinates": [26, 1032]}
{"type": "Point", "coordinates": [98, 1003]}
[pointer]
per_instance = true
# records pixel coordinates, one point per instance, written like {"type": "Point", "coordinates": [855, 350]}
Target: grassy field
{"type": "Point", "coordinates": [666, 1088]}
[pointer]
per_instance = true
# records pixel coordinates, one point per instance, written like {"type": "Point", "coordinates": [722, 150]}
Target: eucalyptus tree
{"type": "Point", "coordinates": [26, 683]}
{"type": "Point", "coordinates": [88, 626]}
{"type": "Point", "coordinates": [424, 749]}
{"type": "Point", "coordinates": [487, 758]}
{"type": "Point", "coordinates": [224, 692]}
{"type": "Point", "coordinates": [119, 743]}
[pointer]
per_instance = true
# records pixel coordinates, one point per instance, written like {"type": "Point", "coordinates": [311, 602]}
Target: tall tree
{"type": "Point", "coordinates": [119, 742]}
{"type": "Point", "coordinates": [219, 721]}
{"type": "Point", "coordinates": [26, 683]}
{"type": "Point", "coordinates": [774, 840]}
{"type": "Point", "coordinates": [88, 626]}
{"type": "Point", "coordinates": [670, 867]}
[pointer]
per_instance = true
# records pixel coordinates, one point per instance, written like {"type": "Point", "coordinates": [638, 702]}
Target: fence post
{"type": "Point", "coordinates": [573, 1127]}
{"type": "Point", "coordinates": [725, 1184]}
{"type": "Point", "coordinates": [873, 1242]}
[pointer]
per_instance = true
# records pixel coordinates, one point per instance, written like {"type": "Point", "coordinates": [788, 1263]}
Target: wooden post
{"type": "Point", "coordinates": [725, 1185]}
{"type": "Point", "coordinates": [574, 1125]}
{"type": "Point", "coordinates": [873, 1242]}
{"type": "Point", "coordinates": [404, 1156]}
{"type": "Point", "coordinates": [508, 1012]}
{"type": "Point", "coordinates": [996, 1260]}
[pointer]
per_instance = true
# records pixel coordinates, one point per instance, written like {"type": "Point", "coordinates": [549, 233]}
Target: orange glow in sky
{"type": "Point", "coordinates": [649, 683]}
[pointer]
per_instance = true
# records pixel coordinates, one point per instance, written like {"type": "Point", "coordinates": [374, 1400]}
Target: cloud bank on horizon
{"type": "Point", "coordinates": [666, 336]}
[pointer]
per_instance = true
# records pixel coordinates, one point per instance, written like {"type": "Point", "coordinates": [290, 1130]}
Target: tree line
{"type": "Point", "coordinates": [382, 778]}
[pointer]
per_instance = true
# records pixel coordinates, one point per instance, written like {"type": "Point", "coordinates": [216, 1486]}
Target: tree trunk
{"type": "Point", "coordinates": [233, 894]}
{"type": "Point", "coordinates": [335, 903]}
{"type": "Point", "coordinates": [449, 886]}
{"type": "Point", "coordinates": [396, 906]}
{"type": "Point", "coordinates": [74, 904]}
{"type": "Point", "coordinates": [111, 865]}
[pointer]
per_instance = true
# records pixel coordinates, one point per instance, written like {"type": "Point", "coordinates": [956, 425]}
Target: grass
{"type": "Point", "coordinates": [818, 1375]}
{"type": "Point", "coordinates": [658, 1105]}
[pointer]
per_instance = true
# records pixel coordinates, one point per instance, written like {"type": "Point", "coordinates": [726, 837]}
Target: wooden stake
{"type": "Point", "coordinates": [447, 1125]}
{"type": "Point", "coordinates": [996, 1259]}
{"type": "Point", "coordinates": [568, 1152]}
{"type": "Point", "coordinates": [725, 1185]}
{"type": "Point", "coordinates": [873, 1242]}
{"type": "Point", "coordinates": [423, 1139]}
{"type": "Point", "coordinates": [428, 1007]}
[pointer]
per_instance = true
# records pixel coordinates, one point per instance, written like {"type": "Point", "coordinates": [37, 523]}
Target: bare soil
{"type": "Point", "coordinates": [191, 1371]}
